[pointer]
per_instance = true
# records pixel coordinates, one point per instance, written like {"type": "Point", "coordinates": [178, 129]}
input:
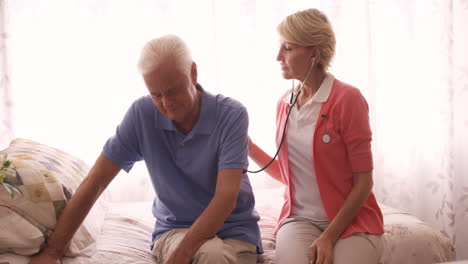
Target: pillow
{"type": "Point", "coordinates": [20, 236]}
{"type": "Point", "coordinates": [47, 177]}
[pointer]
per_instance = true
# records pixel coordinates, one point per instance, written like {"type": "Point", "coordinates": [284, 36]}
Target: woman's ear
{"type": "Point", "coordinates": [316, 55]}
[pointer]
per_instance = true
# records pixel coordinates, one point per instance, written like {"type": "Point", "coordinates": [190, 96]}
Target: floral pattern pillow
{"type": "Point", "coordinates": [47, 177]}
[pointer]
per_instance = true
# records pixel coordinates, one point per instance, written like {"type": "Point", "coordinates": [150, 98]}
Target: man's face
{"type": "Point", "coordinates": [173, 91]}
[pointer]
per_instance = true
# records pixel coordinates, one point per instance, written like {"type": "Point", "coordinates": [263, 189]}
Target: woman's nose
{"type": "Point", "coordinates": [279, 57]}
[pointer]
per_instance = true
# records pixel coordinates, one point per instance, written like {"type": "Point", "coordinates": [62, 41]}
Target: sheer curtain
{"type": "Point", "coordinates": [6, 133]}
{"type": "Point", "coordinates": [418, 89]}
{"type": "Point", "coordinates": [72, 74]}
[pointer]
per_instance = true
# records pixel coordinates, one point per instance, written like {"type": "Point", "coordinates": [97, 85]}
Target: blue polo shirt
{"type": "Point", "coordinates": [184, 168]}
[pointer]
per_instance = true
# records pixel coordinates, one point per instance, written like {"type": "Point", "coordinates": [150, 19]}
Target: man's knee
{"type": "Point", "coordinates": [213, 251]}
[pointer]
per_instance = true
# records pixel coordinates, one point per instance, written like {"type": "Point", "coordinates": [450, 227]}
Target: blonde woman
{"type": "Point", "coordinates": [330, 214]}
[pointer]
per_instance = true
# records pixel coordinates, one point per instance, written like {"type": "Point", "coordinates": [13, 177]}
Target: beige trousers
{"type": "Point", "coordinates": [213, 251]}
{"type": "Point", "coordinates": [297, 234]}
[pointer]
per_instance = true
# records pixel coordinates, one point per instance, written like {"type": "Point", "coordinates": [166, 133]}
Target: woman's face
{"type": "Point", "coordinates": [295, 60]}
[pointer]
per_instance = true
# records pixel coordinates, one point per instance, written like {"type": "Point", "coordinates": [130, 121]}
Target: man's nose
{"type": "Point", "coordinates": [167, 101]}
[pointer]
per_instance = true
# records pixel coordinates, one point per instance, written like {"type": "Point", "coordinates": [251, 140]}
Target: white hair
{"type": "Point", "coordinates": [159, 50]}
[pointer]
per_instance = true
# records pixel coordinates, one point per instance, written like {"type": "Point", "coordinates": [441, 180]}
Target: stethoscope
{"type": "Point", "coordinates": [326, 138]}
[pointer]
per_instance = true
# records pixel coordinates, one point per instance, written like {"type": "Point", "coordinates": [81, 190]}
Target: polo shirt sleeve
{"type": "Point", "coordinates": [123, 148]}
{"type": "Point", "coordinates": [357, 134]}
{"type": "Point", "coordinates": [233, 150]}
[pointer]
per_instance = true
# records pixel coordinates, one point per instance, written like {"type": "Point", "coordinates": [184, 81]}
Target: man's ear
{"type": "Point", "coordinates": [194, 73]}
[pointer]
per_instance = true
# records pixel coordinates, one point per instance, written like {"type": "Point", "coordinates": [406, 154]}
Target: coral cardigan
{"type": "Point", "coordinates": [345, 117]}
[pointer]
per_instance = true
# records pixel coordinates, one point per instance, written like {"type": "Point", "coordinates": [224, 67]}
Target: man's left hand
{"type": "Point", "coordinates": [179, 257]}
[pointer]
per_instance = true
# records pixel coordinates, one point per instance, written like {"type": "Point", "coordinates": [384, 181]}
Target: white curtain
{"type": "Point", "coordinates": [418, 90]}
{"type": "Point", "coordinates": [5, 99]}
{"type": "Point", "coordinates": [73, 75]}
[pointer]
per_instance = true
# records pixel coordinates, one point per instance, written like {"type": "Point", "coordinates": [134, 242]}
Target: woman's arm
{"type": "Point", "coordinates": [362, 187]}
{"type": "Point", "coordinates": [262, 158]}
{"type": "Point", "coordinates": [322, 248]}
{"type": "Point", "coordinates": [357, 136]}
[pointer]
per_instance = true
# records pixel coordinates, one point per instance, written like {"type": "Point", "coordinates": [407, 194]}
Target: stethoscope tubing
{"type": "Point", "coordinates": [294, 101]}
{"type": "Point", "coordinates": [292, 104]}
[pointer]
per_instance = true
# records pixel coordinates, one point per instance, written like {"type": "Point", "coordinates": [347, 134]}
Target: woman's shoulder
{"type": "Point", "coordinates": [282, 100]}
{"type": "Point", "coordinates": [342, 91]}
{"type": "Point", "coordinates": [286, 94]}
{"type": "Point", "coordinates": [345, 88]}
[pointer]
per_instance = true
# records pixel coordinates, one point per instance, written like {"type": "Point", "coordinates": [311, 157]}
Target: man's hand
{"type": "Point", "coordinates": [45, 258]}
{"type": "Point", "coordinates": [321, 251]}
{"type": "Point", "coordinates": [212, 218]}
{"type": "Point", "coordinates": [178, 257]}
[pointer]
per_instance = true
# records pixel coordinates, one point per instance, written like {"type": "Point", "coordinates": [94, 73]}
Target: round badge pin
{"type": "Point", "coordinates": [326, 138]}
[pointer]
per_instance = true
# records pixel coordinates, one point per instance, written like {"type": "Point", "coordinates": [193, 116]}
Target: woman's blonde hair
{"type": "Point", "coordinates": [310, 27]}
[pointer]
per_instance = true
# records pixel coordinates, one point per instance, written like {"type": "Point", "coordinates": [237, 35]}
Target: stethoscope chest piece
{"type": "Point", "coordinates": [326, 138]}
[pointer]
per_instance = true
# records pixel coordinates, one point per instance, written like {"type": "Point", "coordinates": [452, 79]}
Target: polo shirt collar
{"type": "Point", "coordinates": [162, 121]}
{"type": "Point", "coordinates": [322, 94]}
{"type": "Point", "coordinates": [206, 121]}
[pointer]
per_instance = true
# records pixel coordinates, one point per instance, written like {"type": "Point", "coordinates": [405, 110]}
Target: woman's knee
{"type": "Point", "coordinates": [294, 239]}
{"type": "Point", "coordinates": [358, 249]}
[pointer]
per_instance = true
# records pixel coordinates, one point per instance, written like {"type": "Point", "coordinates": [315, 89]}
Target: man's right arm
{"type": "Point", "coordinates": [99, 177]}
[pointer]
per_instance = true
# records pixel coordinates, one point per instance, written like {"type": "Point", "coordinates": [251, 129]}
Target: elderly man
{"type": "Point", "coordinates": [194, 145]}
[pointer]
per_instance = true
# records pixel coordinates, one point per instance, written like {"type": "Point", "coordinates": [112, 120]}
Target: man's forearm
{"type": "Point", "coordinates": [80, 204]}
{"type": "Point", "coordinates": [71, 218]}
{"type": "Point", "coordinates": [208, 223]}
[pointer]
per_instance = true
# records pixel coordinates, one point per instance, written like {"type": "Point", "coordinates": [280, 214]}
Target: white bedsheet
{"type": "Point", "coordinates": [126, 234]}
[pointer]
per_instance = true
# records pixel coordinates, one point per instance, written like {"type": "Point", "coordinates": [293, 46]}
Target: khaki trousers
{"type": "Point", "coordinates": [297, 234]}
{"type": "Point", "coordinates": [213, 251]}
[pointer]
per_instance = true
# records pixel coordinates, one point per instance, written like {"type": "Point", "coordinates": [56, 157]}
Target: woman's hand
{"type": "Point", "coordinates": [321, 251]}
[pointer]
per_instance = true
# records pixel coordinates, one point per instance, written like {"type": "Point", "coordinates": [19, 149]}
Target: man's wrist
{"type": "Point", "coordinates": [51, 251]}
{"type": "Point", "coordinates": [188, 248]}
{"type": "Point", "coordinates": [186, 251]}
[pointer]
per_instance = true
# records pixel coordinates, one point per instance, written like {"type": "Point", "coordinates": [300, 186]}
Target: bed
{"type": "Point", "coordinates": [121, 231]}
{"type": "Point", "coordinates": [126, 232]}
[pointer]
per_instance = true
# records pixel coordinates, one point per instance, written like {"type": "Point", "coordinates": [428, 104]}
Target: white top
{"type": "Point", "coordinates": [306, 201]}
